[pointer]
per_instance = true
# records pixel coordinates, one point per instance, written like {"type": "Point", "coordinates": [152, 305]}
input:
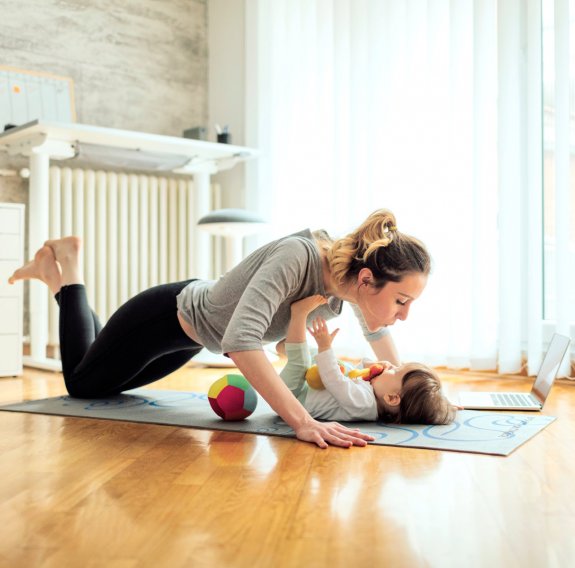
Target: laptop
{"type": "Point", "coordinates": [520, 400]}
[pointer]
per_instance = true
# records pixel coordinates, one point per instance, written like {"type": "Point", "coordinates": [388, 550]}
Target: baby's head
{"type": "Point", "coordinates": [411, 394]}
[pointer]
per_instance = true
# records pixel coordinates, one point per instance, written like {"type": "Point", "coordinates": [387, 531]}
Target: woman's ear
{"type": "Point", "coordinates": [392, 399]}
{"type": "Point", "coordinates": [364, 276]}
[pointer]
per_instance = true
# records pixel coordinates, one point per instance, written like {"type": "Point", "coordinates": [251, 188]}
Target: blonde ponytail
{"type": "Point", "coordinates": [379, 246]}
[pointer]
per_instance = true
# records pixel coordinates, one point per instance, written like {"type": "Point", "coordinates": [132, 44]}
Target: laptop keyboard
{"type": "Point", "coordinates": [509, 399]}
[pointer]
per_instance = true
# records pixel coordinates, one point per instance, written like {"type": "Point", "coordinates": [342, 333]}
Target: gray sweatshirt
{"type": "Point", "coordinates": [250, 304]}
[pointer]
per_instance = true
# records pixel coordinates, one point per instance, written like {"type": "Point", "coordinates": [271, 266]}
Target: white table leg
{"type": "Point", "coordinates": [37, 234]}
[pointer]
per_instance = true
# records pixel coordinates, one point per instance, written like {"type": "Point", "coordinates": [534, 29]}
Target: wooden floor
{"type": "Point", "coordinates": [86, 493]}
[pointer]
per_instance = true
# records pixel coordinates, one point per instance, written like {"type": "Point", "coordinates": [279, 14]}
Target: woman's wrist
{"type": "Point", "coordinates": [294, 414]}
{"type": "Point", "coordinates": [300, 422]}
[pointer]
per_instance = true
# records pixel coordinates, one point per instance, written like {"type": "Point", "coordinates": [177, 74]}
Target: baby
{"type": "Point", "coordinates": [408, 394]}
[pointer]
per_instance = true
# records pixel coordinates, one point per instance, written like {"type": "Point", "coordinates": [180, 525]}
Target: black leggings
{"type": "Point", "coordinates": [141, 343]}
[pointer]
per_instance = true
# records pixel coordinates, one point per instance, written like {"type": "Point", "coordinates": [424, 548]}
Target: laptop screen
{"type": "Point", "coordinates": [550, 366]}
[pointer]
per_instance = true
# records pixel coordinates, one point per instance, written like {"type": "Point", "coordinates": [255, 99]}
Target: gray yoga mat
{"type": "Point", "coordinates": [497, 433]}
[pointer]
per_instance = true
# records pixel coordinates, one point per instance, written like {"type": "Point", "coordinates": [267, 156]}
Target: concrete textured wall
{"type": "Point", "coordinates": [137, 64]}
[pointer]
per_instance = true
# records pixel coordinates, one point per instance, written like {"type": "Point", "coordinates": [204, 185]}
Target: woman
{"type": "Point", "coordinates": [378, 269]}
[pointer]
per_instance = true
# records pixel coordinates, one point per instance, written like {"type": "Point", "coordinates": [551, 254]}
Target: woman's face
{"type": "Point", "coordinates": [392, 302]}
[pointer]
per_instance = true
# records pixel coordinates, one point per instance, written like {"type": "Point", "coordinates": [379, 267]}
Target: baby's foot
{"type": "Point", "coordinates": [44, 267]}
{"type": "Point", "coordinates": [308, 305]}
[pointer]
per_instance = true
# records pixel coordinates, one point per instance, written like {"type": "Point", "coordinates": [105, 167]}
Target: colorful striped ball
{"type": "Point", "coordinates": [232, 397]}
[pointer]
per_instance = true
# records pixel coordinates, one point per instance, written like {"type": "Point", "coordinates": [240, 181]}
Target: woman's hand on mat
{"type": "Point", "coordinates": [326, 434]}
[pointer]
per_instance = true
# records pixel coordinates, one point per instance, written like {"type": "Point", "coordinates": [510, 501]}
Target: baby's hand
{"type": "Point", "coordinates": [307, 305]}
{"type": "Point", "coordinates": [387, 366]}
{"type": "Point", "coordinates": [321, 334]}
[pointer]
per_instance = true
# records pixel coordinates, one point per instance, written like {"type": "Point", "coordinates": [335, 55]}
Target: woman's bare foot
{"type": "Point", "coordinates": [67, 253]}
{"type": "Point", "coordinates": [65, 248]}
{"type": "Point", "coordinates": [44, 267]}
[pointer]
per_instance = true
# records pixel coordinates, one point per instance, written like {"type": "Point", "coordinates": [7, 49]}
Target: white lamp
{"type": "Point", "coordinates": [233, 225]}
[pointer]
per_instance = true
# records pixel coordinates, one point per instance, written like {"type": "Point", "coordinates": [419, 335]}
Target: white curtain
{"type": "Point", "coordinates": [420, 107]}
{"type": "Point", "coordinates": [559, 160]}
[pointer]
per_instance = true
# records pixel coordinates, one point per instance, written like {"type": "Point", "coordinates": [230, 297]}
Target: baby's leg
{"type": "Point", "coordinates": [298, 362]}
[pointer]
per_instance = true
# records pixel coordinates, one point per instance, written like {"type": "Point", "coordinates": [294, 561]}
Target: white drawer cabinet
{"type": "Point", "coordinates": [11, 297]}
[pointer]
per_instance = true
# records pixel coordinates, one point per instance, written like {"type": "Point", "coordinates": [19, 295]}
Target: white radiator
{"type": "Point", "coordinates": [134, 228]}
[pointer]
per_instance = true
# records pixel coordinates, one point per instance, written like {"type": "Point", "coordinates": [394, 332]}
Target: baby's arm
{"type": "Point", "coordinates": [321, 334]}
{"type": "Point", "coordinates": [347, 392]}
{"type": "Point", "coordinates": [351, 395]}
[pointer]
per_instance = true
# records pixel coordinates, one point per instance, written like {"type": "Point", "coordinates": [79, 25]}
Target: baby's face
{"type": "Point", "coordinates": [397, 371]}
{"type": "Point", "coordinates": [390, 380]}
{"type": "Point", "coordinates": [389, 368]}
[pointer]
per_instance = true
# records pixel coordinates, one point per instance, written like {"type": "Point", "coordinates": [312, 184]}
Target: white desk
{"type": "Point", "coordinates": [42, 141]}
